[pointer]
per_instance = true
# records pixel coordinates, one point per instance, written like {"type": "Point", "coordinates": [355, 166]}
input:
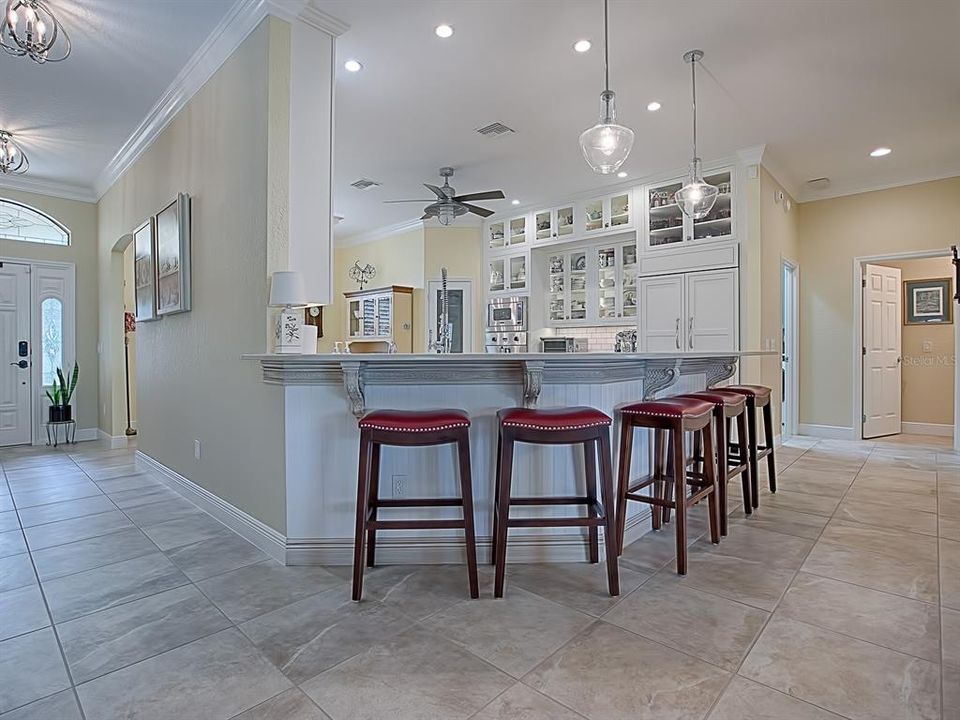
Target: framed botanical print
{"type": "Point", "coordinates": [928, 302]}
{"type": "Point", "coordinates": [144, 272]}
{"type": "Point", "coordinates": [173, 257]}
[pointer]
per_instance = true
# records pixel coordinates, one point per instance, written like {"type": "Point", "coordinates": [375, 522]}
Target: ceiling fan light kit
{"type": "Point", "coordinates": [696, 197]}
{"type": "Point", "coordinates": [13, 161]}
{"type": "Point", "coordinates": [448, 206]}
{"type": "Point", "coordinates": [607, 144]}
{"type": "Point", "coordinates": [30, 29]}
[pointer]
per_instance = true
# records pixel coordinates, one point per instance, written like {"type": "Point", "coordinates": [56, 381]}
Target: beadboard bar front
{"type": "Point", "coordinates": [324, 395]}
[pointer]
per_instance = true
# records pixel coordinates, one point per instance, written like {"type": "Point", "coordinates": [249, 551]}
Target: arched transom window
{"type": "Point", "coordinates": [22, 222]}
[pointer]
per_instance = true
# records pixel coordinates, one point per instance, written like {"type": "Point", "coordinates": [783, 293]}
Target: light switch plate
{"type": "Point", "coordinates": [927, 346]}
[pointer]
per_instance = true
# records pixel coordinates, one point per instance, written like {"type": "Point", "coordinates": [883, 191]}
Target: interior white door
{"type": "Point", "coordinates": [15, 364]}
{"type": "Point", "coordinates": [881, 351]}
{"type": "Point", "coordinates": [712, 314]}
{"type": "Point", "coordinates": [661, 314]}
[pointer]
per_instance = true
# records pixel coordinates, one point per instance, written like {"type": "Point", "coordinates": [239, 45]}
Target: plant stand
{"type": "Point", "coordinates": [69, 432]}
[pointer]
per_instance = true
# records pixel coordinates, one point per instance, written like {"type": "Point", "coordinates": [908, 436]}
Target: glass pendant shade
{"type": "Point", "coordinates": [446, 215]}
{"type": "Point", "coordinates": [606, 145]}
{"type": "Point", "coordinates": [696, 197]}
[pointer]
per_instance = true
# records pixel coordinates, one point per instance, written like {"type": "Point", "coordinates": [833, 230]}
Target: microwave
{"type": "Point", "coordinates": [562, 344]}
{"type": "Point", "coordinates": [507, 313]}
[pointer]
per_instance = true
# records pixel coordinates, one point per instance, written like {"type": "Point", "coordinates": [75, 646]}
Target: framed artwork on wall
{"type": "Point", "coordinates": [928, 302]}
{"type": "Point", "coordinates": [173, 257]}
{"type": "Point", "coordinates": [144, 272]}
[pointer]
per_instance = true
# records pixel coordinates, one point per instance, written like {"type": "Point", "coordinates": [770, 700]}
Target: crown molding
{"type": "Point", "coordinates": [226, 37]}
{"type": "Point", "coordinates": [752, 155]}
{"type": "Point", "coordinates": [843, 191]}
{"type": "Point", "coordinates": [51, 188]}
{"type": "Point", "coordinates": [379, 233]}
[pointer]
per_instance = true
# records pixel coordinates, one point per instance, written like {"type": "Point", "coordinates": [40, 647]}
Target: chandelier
{"type": "Point", "coordinates": [13, 161]}
{"type": "Point", "coordinates": [606, 145]}
{"type": "Point", "coordinates": [30, 29]}
{"type": "Point", "coordinates": [697, 196]}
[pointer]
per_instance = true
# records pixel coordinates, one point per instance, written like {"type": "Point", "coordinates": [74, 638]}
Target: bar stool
{"type": "Point", "coordinates": [410, 429]}
{"type": "Point", "coordinates": [732, 458]}
{"type": "Point", "coordinates": [557, 426]}
{"type": "Point", "coordinates": [758, 396]}
{"type": "Point", "coordinates": [675, 416]}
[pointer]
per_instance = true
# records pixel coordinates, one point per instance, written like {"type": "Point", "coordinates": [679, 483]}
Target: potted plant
{"type": "Point", "coordinates": [60, 395]}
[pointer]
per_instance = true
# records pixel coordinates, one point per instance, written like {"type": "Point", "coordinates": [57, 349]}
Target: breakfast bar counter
{"type": "Point", "coordinates": [325, 394]}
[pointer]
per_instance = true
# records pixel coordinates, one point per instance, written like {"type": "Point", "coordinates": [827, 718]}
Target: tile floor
{"type": "Point", "coordinates": [840, 598]}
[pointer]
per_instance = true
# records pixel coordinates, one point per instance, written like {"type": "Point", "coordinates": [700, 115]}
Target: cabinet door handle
{"type": "Point", "coordinates": [678, 333]}
{"type": "Point", "coordinates": [690, 333]}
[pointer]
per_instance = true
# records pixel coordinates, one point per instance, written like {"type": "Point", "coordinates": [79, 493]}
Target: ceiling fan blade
{"type": "Point", "coordinates": [426, 217]}
{"type": "Point", "coordinates": [476, 210]}
{"type": "Point", "coordinates": [437, 191]}
{"type": "Point", "coordinates": [488, 195]}
{"type": "Point", "coordinates": [428, 200]}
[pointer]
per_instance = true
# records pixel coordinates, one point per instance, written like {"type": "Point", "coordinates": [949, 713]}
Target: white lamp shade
{"type": "Point", "coordinates": [287, 289]}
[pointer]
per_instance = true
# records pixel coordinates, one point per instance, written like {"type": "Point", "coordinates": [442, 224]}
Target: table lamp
{"type": "Point", "coordinates": [287, 292]}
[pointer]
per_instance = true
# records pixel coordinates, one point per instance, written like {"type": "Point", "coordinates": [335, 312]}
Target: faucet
{"type": "Point", "coordinates": [444, 342]}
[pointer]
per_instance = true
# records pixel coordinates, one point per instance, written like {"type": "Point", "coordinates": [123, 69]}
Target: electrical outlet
{"type": "Point", "coordinates": [927, 346]}
{"type": "Point", "coordinates": [398, 483]}
{"type": "Point", "coordinates": [196, 449]}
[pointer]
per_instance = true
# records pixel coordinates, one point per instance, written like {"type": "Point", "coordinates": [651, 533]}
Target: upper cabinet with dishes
{"type": "Point", "coordinates": [506, 235]}
{"type": "Point", "coordinates": [667, 227]}
{"type": "Point", "coordinates": [613, 213]}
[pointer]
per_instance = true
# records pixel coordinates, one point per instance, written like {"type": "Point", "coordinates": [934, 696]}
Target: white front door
{"type": "Point", "coordinates": [15, 363]}
{"type": "Point", "coordinates": [881, 351]}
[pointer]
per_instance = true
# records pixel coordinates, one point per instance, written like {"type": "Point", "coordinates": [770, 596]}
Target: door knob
{"type": "Point", "coordinates": [21, 364]}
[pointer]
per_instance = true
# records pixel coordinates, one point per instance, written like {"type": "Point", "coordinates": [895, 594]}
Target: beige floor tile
{"type": "Point", "coordinates": [514, 633]}
{"type": "Point", "coordinates": [856, 679]}
{"type": "Point", "coordinates": [782, 520]}
{"type": "Point", "coordinates": [752, 582]}
{"type": "Point", "coordinates": [601, 675]}
{"type": "Point", "coordinates": [775, 549]}
{"type": "Point", "coordinates": [711, 628]}
{"type": "Point", "coordinates": [899, 623]}
{"type": "Point", "coordinates": [950, 629]}
{"type": "Point", "coordinates": [31, 667]}
{"type": "Point", "coordinates": [416, 675]}
{"type": "Point", "coordinates": [523, 703]}
{"type": "Point", "coordinates": [949, 527]}
{"type": "Point", "coordinates": [950, 573]}
{"type": "Point", "coordinates": [868, 513]}
{"type": "Point", "coordinates": [291, 704]}
{"type": "Point", "coordinates": [580, 586]}
{"type": "Point", "coordinates": [747, 700]}
{"type": "Point", "coordinates": [814, 482]}
{"type": "Point", "coordinates": [418, 590]}
{"type": "Point", "coordinates": [22, 611]}
{"type": "Point", "coordinates": [951, 692]}
{"type": "Point", "coordinates": [902, 546]}
{"type": "Point", "coordinates": [893, 499]}
{"type": "Point", "coordinates": [799, 502]}
{"type": "Point", "coordinates": [61, 706]}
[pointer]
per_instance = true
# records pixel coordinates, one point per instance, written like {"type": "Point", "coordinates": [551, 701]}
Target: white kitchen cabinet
{"type": "Point", "coordinates": [507, 273]}
{"type": "Point", "coordinates": [696, 312]}
{"type": "Point", "coordinates": [381, 314]}
{"type": "Point", "coordinates": [667, 227]}
{"type": "Point", "coordinates": [610, 213]}
{"type": "Point", "coordinates": [593, 284]}
{"type": "Point", "coordinates": [506, 234]}
{"type": "Point", "coordinates": [554, 224]}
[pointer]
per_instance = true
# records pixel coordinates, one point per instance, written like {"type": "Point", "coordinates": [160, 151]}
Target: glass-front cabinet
{"type": "Point", "coordinates": [617, 281]}
{"type": "Point", "coordinates": [667, 226]}
{"type": "Point", "coordinates": [553, 224]}
{"type": "Point", "coordinates": [593, 285]}
{"type": "Point", "coordinates": [567, 286]}
{"type": "Point", "coordinates": [504, 234]}
{"type": "Point", "coordinates": [606, 214]}
{"type": "Point", "coordinates": [508, 273]}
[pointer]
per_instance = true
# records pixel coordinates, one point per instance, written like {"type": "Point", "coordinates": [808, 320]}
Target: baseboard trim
{"type": "Point", "coordinates": [114, 441]}
{"type": "Point", "coordinates": [917, 428]}
{"type": "Point", "coordinates": [830, 432]}
{"type": "Point", "coordinates": [246, 526]}
{"type": "Point", "coordinates": [446, 550]}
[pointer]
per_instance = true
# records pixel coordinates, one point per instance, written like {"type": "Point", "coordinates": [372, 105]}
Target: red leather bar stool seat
{"type": "Point", "coordinates": [410, 428]}
{"type": "Point", "coordinates": [557, 426]}
{"type": "Point", "coordinates": [670, 419]}
{"type": "Point", "coordinates": [732, 458]}
{"type": "Point", "coordinates": [415, 420]}
{"type": "Point", "coordinates": [758, 398]}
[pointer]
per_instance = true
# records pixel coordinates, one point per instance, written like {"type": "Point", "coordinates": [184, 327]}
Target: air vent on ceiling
{"type": "Point", "coordinates": [821, 183]}
{"type": "Point", "coordinates": [494, 129]}
{"type": "Point", "coordinates": [364, 183]}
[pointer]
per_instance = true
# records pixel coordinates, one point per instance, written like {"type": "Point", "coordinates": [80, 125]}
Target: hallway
{"type": "Point", "coordinates": [840, 598]}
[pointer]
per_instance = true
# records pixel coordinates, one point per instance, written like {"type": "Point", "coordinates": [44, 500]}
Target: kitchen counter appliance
{"type": "Point", "coordinates": [506, 325]}
{"type": "Point", "coordinates": [563, 344]}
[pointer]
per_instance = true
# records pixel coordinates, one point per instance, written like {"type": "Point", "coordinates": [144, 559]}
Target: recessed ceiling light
{"type": "Point", "coordinates": [581, 45]}
{"type": "Point", "coordinates": [880, 152]}
{"type": "Point", "coordinates": [444, 30]}
{"type": "Point", "coordinates": [654, 106]}
{"type": "Point", "coordinates": [352, 66]}
{"type": "Point", "coordinates": [621, 174]}
{"type": "Point", "coordinates": [514, 202]}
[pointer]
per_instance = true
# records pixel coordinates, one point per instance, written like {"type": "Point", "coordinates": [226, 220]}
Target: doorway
{"type": "Point", "coordinates": [460, 294]}
{"type": "Point", "coordinates": [789, 363]}
{"type": "Point", "coordinates": [15, 368]}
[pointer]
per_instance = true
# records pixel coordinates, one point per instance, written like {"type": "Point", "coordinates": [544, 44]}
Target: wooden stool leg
{"type": "Point", "coordinates": [680, 492]}
{"type": "Point", "coordinates": [746, 482]}
{"type": "Point", "coordinates": [658, 490]}
{"type": "Point", "coordinates": [496, 495]}
{"type": "Point", "coordinates": [606, 493]}
{"type": "Point", "coordinates": [374, 496]}
{"type": "Point", "coordinates": [623, 479]}
{"type": "Point", "coordinates": [723, 467]}
{"type": "Point", "coordinates": [752, 438]}
{"type": "Point", "coordinates": [363, 479]}
{"type": "Point", "coordinates": [590, 467]}
{"type": "Point", "coordinates": [466, 493]}
{"type": "Point", "coordinates": [768, 435]}
{"type": "Point", "coordinates": [671, 475]}
{"type": "Point", "coordinates": [710, 475]}
{"type": "Point", "coordinates": [503, 513]}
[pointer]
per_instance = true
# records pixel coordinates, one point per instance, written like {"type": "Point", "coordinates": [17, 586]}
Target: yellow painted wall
{"type": "Point", "coordinates": [459, 249]}
{"type": "Point", "coordinates": [927, 381]}
{"type": "Point", "coordinates": [81, 219]}
{"type": "Point", "coordinates": [832, 233]}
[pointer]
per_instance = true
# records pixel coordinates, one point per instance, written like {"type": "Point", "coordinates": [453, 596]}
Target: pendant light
{"type": "Point", "coordinates": [606, 145]}
{"type": "Point", "coordinates": [13, 161]}
{"type": "Point", "coordinates": [29, 28]}
{"type": "Point", "coordinates": [696, 197]}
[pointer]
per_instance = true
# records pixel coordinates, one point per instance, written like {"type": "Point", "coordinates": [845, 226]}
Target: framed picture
{"type": "Point", "coordinates": [144, 272]}
{"type": "Point", "coordinates": [928, 302]}
{"type": "Point", "coordinates": [173, 257]}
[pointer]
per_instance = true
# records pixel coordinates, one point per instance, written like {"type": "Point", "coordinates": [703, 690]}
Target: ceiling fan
{"type": "Point", "coordinates": [448, 206]}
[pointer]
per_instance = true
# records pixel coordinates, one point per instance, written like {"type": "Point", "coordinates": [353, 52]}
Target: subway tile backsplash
{"type": "Point", "coordinates": [601, 338]}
